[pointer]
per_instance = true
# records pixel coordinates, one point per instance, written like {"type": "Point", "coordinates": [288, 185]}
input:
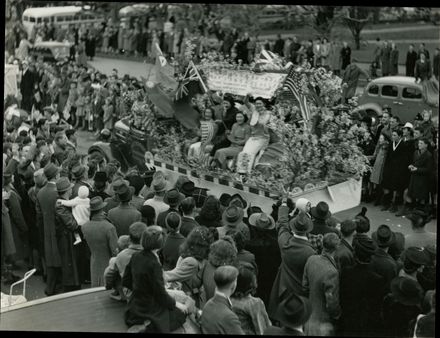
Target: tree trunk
{"type": "Point", "coordinates": [357, 39]}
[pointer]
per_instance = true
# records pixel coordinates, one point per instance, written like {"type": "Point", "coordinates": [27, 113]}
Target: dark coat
{"type": "Point", "coordinates": [397, 317]}
{"type": "Point", "coordinates": [170, 250]}
{"type": "Point", "coordinates": [321, 227]}
{"type": "Point", "coordinates": [384, 265]}
{"type": "Point", "coordinates": [218, 317]}
{"type": "Point", "coordinates": [294, 255]}
{"type": "Point", "coordinates": [436, 65]}
{"type": "Point", "coordinates": [423, 70]}
{"type": "Point", "coordinates": [394, 62]}
{"type": "Point", "coordinates": [216, 223]}
{"type": "Point", "coordinates": [76, 187]}
{"type": "Point", "coordinates": [187, 225]}
{"type": "Point", "coordinates": [344, 255]}
{"type": "Point", "coordinates": [345, 57]}
{"type": "Point", "coordinates": [46, 199]}
{"type": "Point", "coordinates": [411, 59]}
{"type": "Point", "coordinates": [385, 60]}
{"type": "Point", "coordinates": [122, 217]}
{"type": "Point", "coordinates": [281, 331]}
{"type": "Point", "coordinates": [420, 181]}
{"type": "Point", "coordinates": [102, 240]}
{"type": "Point", "coordinates": [264, 246]}
{"type": "Point", "coordinates": [361, 294]}
{"type": "Point", "coordinates": [65, 225]}
{"type": "Point", "coordinates": [161, 217]}
{"type": "Point", "coordinates": [149, 299]}
{"type": "Point", "coordinates": [395, 168]}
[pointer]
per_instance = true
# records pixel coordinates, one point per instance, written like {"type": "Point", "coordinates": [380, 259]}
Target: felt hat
{"type": "Point", "coordinates": [78, 171]}
{"type": "Point", "coordinates": [416, 255]}
{"type": "Point", "coordinates": [50, 170]}
{"type": "Point", "coordinates": [211, 209]}
{"type": "Point", "coordinates": [120, 185]}
{"type": "Point", "coordinates": [383, 237]}
{"type": "Point", "coordinates": [63, 184]}
{"type": "Point", "coordinates": [125, 193]}
{"type": "Point", "coordinates": [100, 176]}
{"type": "Point", "coordinates": [321, 211]}
{"type": "Point", "coordinates": [407, 291]}
{"type": "Point", "coordinates": [96, 203]}
{"type": "Point", "coordinates": [232, 215]}
{"type": "Point", "coordinates": [173, 197]}
{"type": "Point", "coordinates": [301, 223]}
{"type": "Point", "coordinates": [294, 310]}
{"type": "Point", "coordinates": [187, 188]}
{"type": "Point", "coordinates": [262, 221]}
{"type": "Point", "coordinates": [159, 184]}
{"type": "Point", "coordinates": [137, 182]}
{"type": "Point", "coordinates": [240, 198]}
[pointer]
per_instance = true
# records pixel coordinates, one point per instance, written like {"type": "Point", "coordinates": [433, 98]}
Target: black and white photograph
{"type": "Point", "coordinates": [234, 169]}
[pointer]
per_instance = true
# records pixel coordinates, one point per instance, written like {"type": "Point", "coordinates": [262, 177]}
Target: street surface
{"type": "Point", "coordinates": [35, 286]}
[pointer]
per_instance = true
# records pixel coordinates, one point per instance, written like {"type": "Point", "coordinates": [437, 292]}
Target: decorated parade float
{"type": "Point", "coordinates": [316, 155]}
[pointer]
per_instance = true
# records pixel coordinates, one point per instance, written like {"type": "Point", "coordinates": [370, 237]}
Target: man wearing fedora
{"type": "Point", "coordinates": [65, 225]}
{"type": "Point", "coordinates": [295, 250]}
{"type": "Point", "coordinates": [381, 262]}
{"type": "Point", "coordinates": [101, 237]}
{"type": "Point", "coordinates": [414, 259]}
{"type": "Point", "coordinates": [264, 246]}
{"type": "Point", "coordinates": [321, 283]}
{"type": "Point", "coordinates": [173, 198]}
{"type": "Point", "coordinates": [45, 207]}
{"type": "Point", "coordinates": [320, 214]}
{"type": "Point", "coordinates": [137, 182]}
{"type": "Point", "coordinates": [79, 176]}
{"type": "Point", "coordinates": [232, 220]}
{"type": "Point", "coordinates": [293, 313]}
{"type": "Point", "coordinates": [361, 294]}
{"type": "Point", "coordinates": [124, 214]}
{"type": "Point", "coordinates": [188, 207]}
{"type": "Point", "coordinates": [99, 185]}
{"type": "Point", "coordinates": [159, 186]}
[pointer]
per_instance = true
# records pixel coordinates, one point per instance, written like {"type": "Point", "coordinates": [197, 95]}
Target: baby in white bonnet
{"type": "Point", "coordinates": [80, 209]}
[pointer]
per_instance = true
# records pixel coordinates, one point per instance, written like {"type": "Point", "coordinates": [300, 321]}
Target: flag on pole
{"type": "Point", "coordinates": [191, 75]}
{"type": "Point", "coordinates": [293, 82]}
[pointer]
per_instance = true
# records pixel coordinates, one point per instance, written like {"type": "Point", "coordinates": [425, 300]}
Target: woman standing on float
{"type": "Point", "coordinates": [259, 118]}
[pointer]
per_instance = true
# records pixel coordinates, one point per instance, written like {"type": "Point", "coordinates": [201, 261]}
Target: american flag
{"type": "Point", "coordinates": [191, 74]}
{"type": "Point", "coordinates": [293, 83]}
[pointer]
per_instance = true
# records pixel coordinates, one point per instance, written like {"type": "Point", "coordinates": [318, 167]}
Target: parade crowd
{"type": "Point", "coordinates": [81, 220]}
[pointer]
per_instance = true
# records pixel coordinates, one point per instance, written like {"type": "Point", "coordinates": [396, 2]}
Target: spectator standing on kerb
{"type": "Point", "coordinates": [411, 59]}
{"type": "Point", "coordinates": [394, 59]}
{"type": "Point", "coordinates": [345, 55]}
{"type": "Point", "coordinates": [385, 58]}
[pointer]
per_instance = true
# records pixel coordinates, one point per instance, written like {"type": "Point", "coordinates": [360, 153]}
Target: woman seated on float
{"type": "Point", "coordinates": [239, 134]}
{"type": "Point", "coordinates": [259, 117]}
{"type": "Point", "coordinates": [203, 143]}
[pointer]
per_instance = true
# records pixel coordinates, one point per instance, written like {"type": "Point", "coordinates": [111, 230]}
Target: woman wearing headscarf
{"type": "Point", "coordinates": [259, 118]}
{"type": "Point", "coordinates": [149, 300]}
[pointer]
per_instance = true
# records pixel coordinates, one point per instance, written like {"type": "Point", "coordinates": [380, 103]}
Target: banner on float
{"type": "Point", "coordinates": [241, 82]}
{"type": "Point", "coordinates": [11, 88]}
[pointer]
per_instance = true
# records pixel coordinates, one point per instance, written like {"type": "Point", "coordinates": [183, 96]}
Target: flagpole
{"type": "Point", "coordinates": [198, 75]}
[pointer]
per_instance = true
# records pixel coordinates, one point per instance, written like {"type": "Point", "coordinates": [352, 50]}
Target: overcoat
{"type": "Point", "coordinates": [361, 294]}
{"type": "Point", "coordinates": [101, 237]}
{"type": "Point", "coordinates": [394, 62]}
{"type": "Point", "coordinates": [149, 299]}
{"type": "Point", "coordinates": [46, 199]}
{"type": "Point", "coordinates": [65, 225]}
{"type": "Point", "coordinates": [294, 254]}
{"type": "Point", "coordinates": [19, 227]}
{"type": "Point", "coordinates": [384, 265]}
{"type": "Point", "coordinates": [395, 168]}
{"type": "Point", "coordinates": [321, 283]}
{"type": "Point", "coordinates": [385, 56]}
{"type": "Point", "coordinates": [122, 217]}
{"type": "Point", "coordinates": [420, 180]}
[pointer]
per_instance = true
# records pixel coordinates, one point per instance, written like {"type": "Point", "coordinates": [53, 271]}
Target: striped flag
{"type": "Point", "coordinates": [191, 74]}
{"type": "Point", "coordinates": [293, 82]}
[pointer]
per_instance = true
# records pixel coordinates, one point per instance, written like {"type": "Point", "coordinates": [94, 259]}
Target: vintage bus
{"type": "Point", "coordinates": [64, 16]}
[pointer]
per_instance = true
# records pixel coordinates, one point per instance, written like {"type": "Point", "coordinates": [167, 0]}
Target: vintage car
{"type": "Point", "coordinates": [401, 93]}
{"type": "Point", "coordinates": [51, 51]}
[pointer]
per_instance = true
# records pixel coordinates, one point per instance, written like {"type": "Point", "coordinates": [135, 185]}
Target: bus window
{"type": "Point", "coordinates": [46, 20]}
{"type": "Point", "coordinates": [31, 19]}
{"type": "Point", "coordinates": [38, 20]}
{"type": "Point", "coordinates": [60, 18]}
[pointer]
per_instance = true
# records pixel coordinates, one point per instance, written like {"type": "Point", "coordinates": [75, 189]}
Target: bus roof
{"type": "Point", "coordinates": [49, 11]}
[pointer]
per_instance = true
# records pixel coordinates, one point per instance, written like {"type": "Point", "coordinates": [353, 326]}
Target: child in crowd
{"type": "Point", "coordinates": [123, 243]}
{"type": "Point", "coordinates": [108, 113]}
{"type": "Point", "coordinates": [88, 113]}
{"type": "Point", "coordinates": [80, 209]}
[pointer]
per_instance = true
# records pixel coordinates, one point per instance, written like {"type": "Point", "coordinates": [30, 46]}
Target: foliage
{"type": "Point", "coordinates": [356, 19]}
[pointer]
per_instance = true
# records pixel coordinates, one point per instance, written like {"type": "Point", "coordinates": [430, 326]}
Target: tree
{"type": "Point", "coordinates": [356, 18]}
{"type": "Point", "coordinates": [322, 18]}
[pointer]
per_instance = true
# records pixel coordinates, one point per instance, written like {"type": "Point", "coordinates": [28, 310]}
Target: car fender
{"type": "Point", "coordinates": [370, 106]}
{"type": "Point", "coordinates": [103, 148]}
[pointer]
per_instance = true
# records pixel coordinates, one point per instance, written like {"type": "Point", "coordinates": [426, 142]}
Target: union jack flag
{"type": "Point", "coordinates": [293, 82]}
{"type": "Point", "coordinates": [191, 74]}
